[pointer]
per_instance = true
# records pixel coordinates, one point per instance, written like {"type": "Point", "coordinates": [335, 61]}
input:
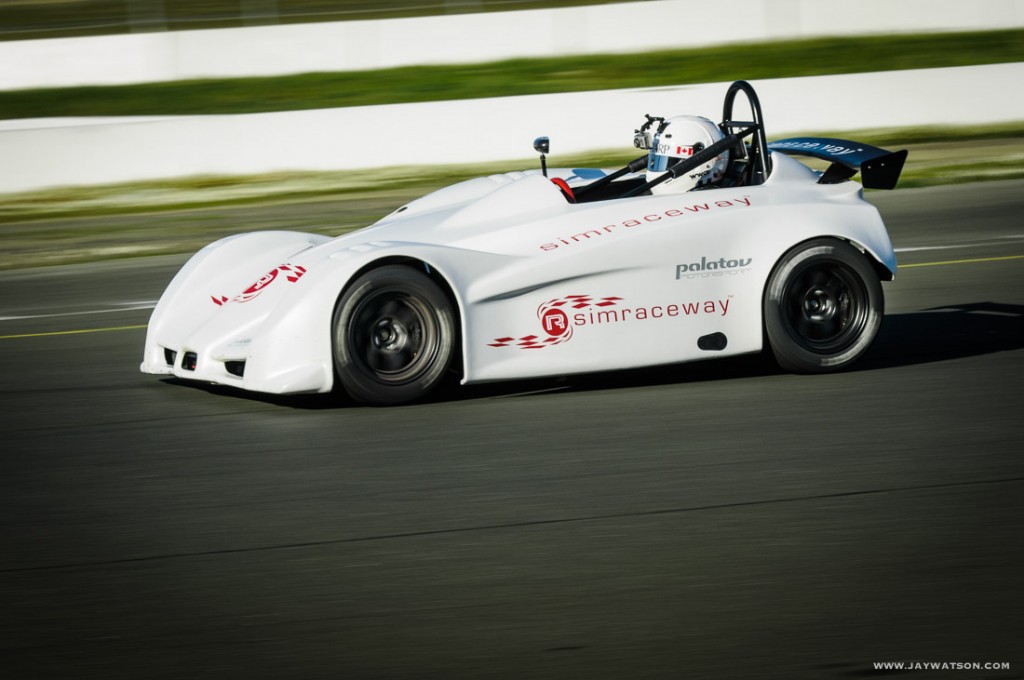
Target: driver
{"type": "Point", "coordinates": [678, 138]}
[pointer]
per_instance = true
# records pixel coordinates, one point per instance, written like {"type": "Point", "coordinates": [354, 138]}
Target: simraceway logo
{"type": "Point", "coordinates": [598, 232]}
{"type": "Point", "coordinates": [293, 273]}
{"type": "Point", "coordinates": [719, 267]}
{"type": "Point", "coordinates": [584, 310]}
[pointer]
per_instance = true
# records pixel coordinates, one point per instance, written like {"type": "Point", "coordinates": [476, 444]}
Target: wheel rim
{"type": "Point", "coordinates": [393, 336]}
{"type": "Point", "coordinates": [826, 307]}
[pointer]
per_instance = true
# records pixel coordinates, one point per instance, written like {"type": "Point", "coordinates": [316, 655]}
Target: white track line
{"type": "Point", "coordinates": [120, 307]}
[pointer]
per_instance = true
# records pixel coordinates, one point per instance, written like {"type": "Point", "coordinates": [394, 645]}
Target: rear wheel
{"type": "Point", "coordinates": [393, 334]}
{"type": "Point", "coordinates": [822, 307]}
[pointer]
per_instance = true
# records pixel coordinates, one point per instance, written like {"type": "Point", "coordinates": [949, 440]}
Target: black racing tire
{"type": "Point", "coordinates": [393, 336]}
{"type": "Point", "coordinates": [823, 306]}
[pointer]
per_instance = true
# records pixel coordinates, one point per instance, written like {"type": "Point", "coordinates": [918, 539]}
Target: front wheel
{"type": "Point", "coordinates": [393, 335]}
{"type": "Point", "coordinates": [822, 307]}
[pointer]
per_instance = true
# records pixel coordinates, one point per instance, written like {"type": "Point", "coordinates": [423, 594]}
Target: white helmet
{"type": "Point", "coordinates": [678, 138]}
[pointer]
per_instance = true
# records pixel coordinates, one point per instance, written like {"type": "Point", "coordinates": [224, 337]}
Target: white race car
{"type": "Point", "coordinates": [712, 243]}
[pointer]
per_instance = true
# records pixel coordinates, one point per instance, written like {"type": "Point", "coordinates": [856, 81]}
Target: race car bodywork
{"type": "Point", "coordinates": [527, 274]}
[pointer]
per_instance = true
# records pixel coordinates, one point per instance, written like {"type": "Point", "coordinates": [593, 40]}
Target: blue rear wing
{"type": "Point", "coordinates": [879, 169]}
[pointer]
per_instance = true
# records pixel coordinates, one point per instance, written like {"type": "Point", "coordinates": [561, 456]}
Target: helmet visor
{"type": "Point", "coordinates": [660, 162]}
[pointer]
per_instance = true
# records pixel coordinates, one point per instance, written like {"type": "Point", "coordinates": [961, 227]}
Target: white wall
{"type": "Point", "coordinates": [464, 38]}
{"type": "Point", "coordinates": [40, 154]}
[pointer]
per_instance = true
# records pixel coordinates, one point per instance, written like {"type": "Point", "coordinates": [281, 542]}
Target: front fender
{"type": "Point", "coordinates": [201, 290]}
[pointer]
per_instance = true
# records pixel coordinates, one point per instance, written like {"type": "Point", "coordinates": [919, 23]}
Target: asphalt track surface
{"type": "Point", "coordinates": [721, 520]}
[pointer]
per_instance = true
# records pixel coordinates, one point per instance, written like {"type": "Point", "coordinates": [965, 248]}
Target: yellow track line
{"type": "Point", "coordinates": [979, 259]}
{"type": "Point", "coordinates": [86, 330]}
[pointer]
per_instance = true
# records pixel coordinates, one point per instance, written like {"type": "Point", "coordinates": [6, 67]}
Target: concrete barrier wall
{"type": "Point", "coordinates": [56, 152]}
{"type": "Point", "coordinates": [463, 38]}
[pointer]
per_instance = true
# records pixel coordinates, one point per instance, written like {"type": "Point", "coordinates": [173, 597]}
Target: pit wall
{"type": "Point", "coordinates": [49, 153]}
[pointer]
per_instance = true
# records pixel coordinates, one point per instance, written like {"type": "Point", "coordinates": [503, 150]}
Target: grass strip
{"type": "Point", "coordinates": [30, 19]}
{"type": "Point", "coordinates": [936, 154]}
{"type": "Point", "coordinates": [179, 216]}
{"type": "Point", "coordinates": [521, 76]}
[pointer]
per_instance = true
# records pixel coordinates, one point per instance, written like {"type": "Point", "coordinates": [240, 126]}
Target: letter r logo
{"type": "Point", "coordinates": [555, 322]}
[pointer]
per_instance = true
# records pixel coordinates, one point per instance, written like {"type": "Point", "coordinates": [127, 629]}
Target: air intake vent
{"type": "Point", "coordinates": [169, 356]}
{"type": "Point", "coordinates": [235, 368]}
{"type": "Point", "coordinates": [189, 361]}
{"type": "Point", "coordinates": [715, 342]}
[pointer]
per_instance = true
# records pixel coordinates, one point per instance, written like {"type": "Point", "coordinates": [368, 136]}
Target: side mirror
{"type": "Point", "coordinates": [542, 145]}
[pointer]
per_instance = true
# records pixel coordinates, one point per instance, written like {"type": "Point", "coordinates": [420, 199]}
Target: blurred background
{"type": "Point", "coordinates": [20, 19]}
{"type": "Point", "coordinates": [146, 105]}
